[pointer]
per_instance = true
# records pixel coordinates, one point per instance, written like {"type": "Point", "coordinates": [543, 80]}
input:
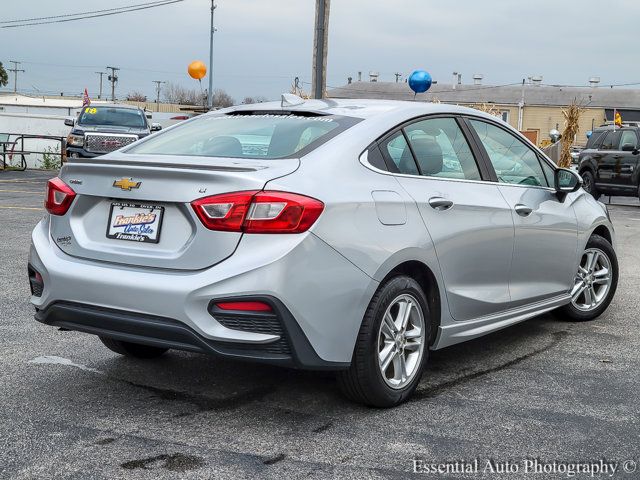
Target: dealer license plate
{"type": "Point", "coordinates": [135, 222]}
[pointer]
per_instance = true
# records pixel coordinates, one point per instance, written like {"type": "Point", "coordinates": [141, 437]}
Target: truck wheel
{"type": "Point", "coordinates": [589, 184]}
{"type": "Point", "coordinates": [135, 350]}
{"type": "Point", "coordinates": [392, 346]}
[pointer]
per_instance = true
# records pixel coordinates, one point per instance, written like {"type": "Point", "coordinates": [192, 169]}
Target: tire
{"type": "Point", "coordinates": [364, 381]}
{"type": "Point", "coordinates": [572, 311]}
{"type": "Point", "coordinates": [590, 183]}
{"type": "Point", "coordinates": [134, 350]}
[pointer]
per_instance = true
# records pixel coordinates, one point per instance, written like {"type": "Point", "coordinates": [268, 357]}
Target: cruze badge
{"type": "Point", "coordinates": [126, 184]}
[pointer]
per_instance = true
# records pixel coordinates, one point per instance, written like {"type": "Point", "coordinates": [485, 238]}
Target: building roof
{"type": "Point", "coordinates": [52, 102]}
{"type": "Point", "coordinates": [543, 95]}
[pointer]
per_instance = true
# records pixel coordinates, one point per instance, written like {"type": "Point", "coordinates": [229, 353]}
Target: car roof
{"type": "Point", "coordinates": [359, 108]}
{"type": "Point", "coordinates": [117, 105]}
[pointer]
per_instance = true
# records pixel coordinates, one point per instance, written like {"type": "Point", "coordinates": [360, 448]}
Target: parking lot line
{"type": "Point", "coordinates": [15, 207]}
{"type": "Point", "coordinates": [40, 192]}
{"type": "Point", "coordinates": [40, 182]}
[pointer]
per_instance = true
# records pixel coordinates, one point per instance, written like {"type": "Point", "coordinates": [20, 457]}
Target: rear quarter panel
{"type": "Point", "coordinates": [350, 223]}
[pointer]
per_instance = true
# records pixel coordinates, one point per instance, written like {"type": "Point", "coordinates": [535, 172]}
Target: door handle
{"type": "Point", "coordinates": [523, 210]}
{"type": "Point", "coordinates": [439, 203]}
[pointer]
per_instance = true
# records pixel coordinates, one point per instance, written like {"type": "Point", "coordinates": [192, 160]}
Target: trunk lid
{"type": "Point", "coordinates": [165, 185]}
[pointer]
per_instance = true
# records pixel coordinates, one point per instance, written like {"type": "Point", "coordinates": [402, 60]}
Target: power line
{"type": "Point", "coordinates": [23, 20]}
{"type": "Point", "coordinates": [85, 15]}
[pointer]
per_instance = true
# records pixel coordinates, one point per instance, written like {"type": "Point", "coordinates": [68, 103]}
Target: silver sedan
{"type": "Point", "coordinates": [345, 235]}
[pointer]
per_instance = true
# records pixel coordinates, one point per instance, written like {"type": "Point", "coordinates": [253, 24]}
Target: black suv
{"type": "Point", "coordinates": [102, 129]}
{"type": "Point", "coordinates": [609, 163]}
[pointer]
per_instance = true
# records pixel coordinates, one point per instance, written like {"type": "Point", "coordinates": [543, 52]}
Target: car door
{"type": "Point", "coordinates": [469, 221]}
{"type": "Point", "coordinates": [625, 161]}
{"type": "Point", "coordinates": [606, 161]}
{"type": "Point", "coordinates": [546, 234]}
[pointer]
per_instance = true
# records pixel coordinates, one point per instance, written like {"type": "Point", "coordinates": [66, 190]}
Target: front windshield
{"type": "Point", "coordinates": [112, 116]}
{"type": "Point", "coordinates": [267, 136]}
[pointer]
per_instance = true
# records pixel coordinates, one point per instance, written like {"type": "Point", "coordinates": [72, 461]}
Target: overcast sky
{"type": "Point", "coordinates": [261, 45]}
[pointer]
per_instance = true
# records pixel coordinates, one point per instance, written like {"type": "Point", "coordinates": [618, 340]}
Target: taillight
{"type": "Point", "coordinates": [258, 212]}
{"type": "Point", "coordinates": [59, 197]}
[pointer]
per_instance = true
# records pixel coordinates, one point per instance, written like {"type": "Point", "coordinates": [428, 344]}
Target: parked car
{"type": "Point", "coordinates": [609, 163]}
{"type": "Point", "coordinates": [104, 128]}
{"type": "Point", "coordinates": [343, 235]}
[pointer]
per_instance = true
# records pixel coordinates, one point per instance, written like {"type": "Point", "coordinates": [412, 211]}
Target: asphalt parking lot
{"type": "Point", "coordinates": [545, 389]}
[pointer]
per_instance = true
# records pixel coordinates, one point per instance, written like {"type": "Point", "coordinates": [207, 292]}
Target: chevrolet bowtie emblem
{"type": "Point", "coordinates": [126, 184]}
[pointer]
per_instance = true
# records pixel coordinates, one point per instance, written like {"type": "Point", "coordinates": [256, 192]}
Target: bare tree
{"type": "Point", "coordinates": [258, 99]}
{"type": "Point", "coordinates": [174, 93]}
{"type": "Point", "coordinates": [136, 96]}
{"type": "Point", "coordinates": [4, 79]}
{"type": "Point", "coordinates": [221, 99]}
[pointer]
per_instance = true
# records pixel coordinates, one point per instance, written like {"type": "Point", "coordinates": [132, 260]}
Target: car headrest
{"type": "Point", "coordinates": [223, 146]}
{"type": "Point", "coordinates": [428, 155]}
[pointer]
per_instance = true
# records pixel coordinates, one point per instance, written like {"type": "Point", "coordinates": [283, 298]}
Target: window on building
{"type": "Point", "coordinates": [504, 114]}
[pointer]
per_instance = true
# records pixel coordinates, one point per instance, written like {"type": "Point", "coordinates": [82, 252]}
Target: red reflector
{"type": "Point", "coordinates": [244, 306]}
{"type": "Point", "coordinates": [59, 197]}
{"type": "Point", "coordinates": [38, 278]}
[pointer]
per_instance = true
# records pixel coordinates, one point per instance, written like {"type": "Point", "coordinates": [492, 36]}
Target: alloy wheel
{"type": "Point", "coordinates": [401, 341]}
{"type": "Point", "coordinates": [593, 280]}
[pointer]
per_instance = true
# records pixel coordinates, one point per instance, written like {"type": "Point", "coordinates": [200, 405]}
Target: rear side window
{"type": "Point", "coordinates": [267, 136]}
{"type": "Point", "coordinates": [441, 149]}
{"type": "Point", "coordinates": [397, 150]}
{"type": "Point", "coordinates": [608, 141]}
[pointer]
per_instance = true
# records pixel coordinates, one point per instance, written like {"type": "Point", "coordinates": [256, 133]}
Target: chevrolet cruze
{"type": "Point", "coordinates": [344, 235]}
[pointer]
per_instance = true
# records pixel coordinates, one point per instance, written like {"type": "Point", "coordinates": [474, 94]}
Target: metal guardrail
{"type": "Point", "coordinates": [10, 141]}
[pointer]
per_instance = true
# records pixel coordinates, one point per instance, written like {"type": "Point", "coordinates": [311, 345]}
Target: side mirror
{"type": "Point", "coordinates": [567, 181]}
{"type": "Point", "coordinates": [69, 122]}
{"type": "Point", "coordinates": [156, 127]}
{"type": "Point", "coordinates": [628, 147]}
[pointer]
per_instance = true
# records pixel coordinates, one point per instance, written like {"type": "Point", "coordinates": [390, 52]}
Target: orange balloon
{"type": "Point", "coordinates": [197, 70]}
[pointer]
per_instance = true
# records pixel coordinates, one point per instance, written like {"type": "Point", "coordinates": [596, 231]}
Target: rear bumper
{"type": "Point", "coordinates": [321, 296]}
{"type": "Point", "coordinates": [291, 349]}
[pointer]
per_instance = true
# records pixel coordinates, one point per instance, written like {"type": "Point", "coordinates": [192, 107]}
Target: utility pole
{"type": "Point", "coordinates": [158, 83]}
{"type": "Point", "coordinates": [213, 30]}
{"type": "Point", "coordinates": [320, 47]}
{"type": "Point", "coordinates": [398, 75]}
{"type": "Point", "coordinates": [101, 74]}
{"type": "Point", "coordinates": [113, 78]}
{"type": "Point", "coordinates": [15, 71]}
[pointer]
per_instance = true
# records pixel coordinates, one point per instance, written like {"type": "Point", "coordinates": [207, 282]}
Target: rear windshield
{"type": "Point", "coordinates": [267, 136]}
{"type": "Point", "coordinates": [117, 117]}
{"type": "Point", "coordinates": [594, 139]}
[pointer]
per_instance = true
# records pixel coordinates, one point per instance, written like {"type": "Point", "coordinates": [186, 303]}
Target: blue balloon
{"type": "Point", "coordinates": [420, 81]}
{"type": "Point", "coordinates": [589, 133]}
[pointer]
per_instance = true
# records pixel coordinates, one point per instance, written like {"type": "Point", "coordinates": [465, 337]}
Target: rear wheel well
{"type": "Point", "coordinates": [427, 281]}
{"type": "Point", "coordinates": [604, 233]}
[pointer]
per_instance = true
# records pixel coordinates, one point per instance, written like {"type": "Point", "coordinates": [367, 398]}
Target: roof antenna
{"type": "Point", "coordinates": [290, 100]}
